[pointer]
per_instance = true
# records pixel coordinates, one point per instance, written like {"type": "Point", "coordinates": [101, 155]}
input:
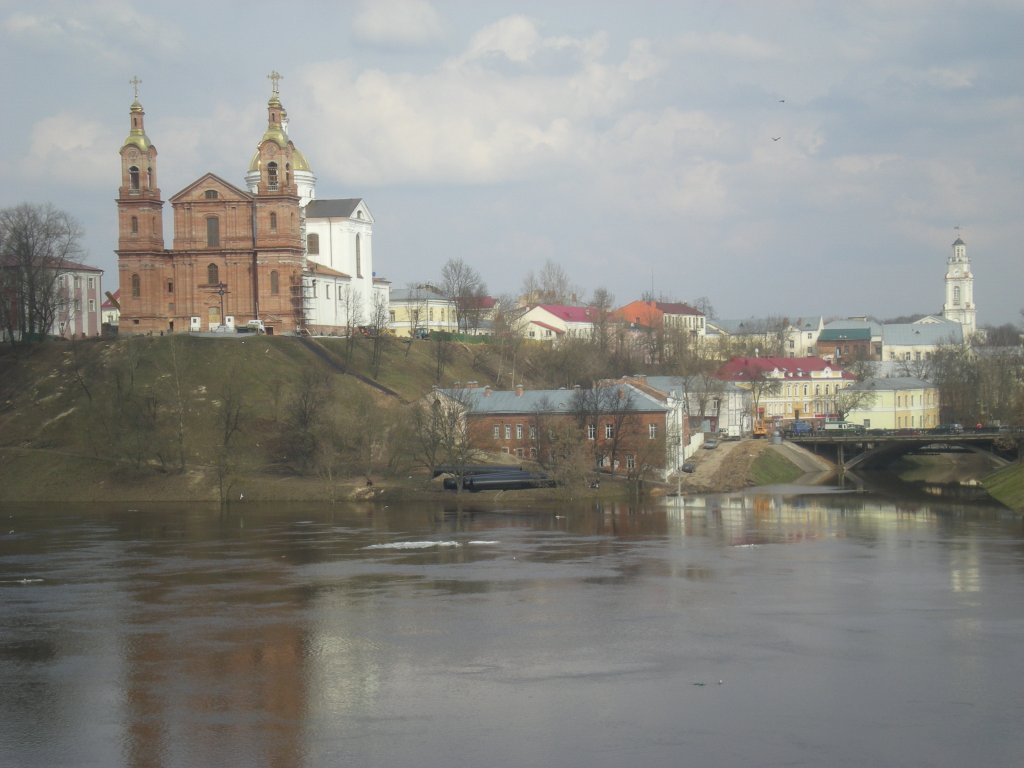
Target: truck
{"type": "Point", "coordinates": [800, 428]}
{"type": "Point", "coordinates": [253, 326]}
{"type": "Point", "coordinates": [844, 426]}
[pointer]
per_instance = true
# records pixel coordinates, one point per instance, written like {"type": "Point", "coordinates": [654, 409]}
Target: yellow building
{"type": "Point", "coordinates": [899, 403]}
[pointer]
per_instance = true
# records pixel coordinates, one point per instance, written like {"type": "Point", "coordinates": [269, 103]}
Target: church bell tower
{"type": "Point", "coordinates": [139, 207]}
{"type": "Point", "coordinates": [959, 305]}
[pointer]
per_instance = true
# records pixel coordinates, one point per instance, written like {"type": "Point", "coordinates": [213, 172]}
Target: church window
{"type": "Point", "coordinates": [212, 275]}
{"type": "Point", "coordinates": [273, 222]}
{"type": "Point", "coordinates": [133, 177]}
{"type": "Point", "coordinates": [272, 177]}
{"type": "Point", "coordinates": [149, 178]}
{"type": "Point", "coordinates": [956, 295]}
{"type": "Point", "coordinates": [313, 244]}
{"type": "Point", "coordinates": [212, 232]}
{"type": "Point", "coordinates": [359, 258]}
{"type": "Point", "coordinates": [135, 225]}
{"type": "Point", "coordinates": [275, 283]}
{"type": "Point", "coordinates": [210, 194]}
{"type": "Point", "coordinates": [136, 286]}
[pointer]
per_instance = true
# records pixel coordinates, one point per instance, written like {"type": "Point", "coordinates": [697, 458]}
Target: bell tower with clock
{"type": "Point", "coordinates": [959, 305]}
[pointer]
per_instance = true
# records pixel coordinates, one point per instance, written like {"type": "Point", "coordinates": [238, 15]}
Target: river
{"type": "Point", "coordinates": [767, 629]}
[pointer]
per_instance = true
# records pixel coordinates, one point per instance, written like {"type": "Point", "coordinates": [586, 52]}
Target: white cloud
{"type": "Point", "coordinates": [738, 46]}
{"type": "Point", "coordinates": [397, 22]}
{"type": "Point", "coordinates": [70, 149]}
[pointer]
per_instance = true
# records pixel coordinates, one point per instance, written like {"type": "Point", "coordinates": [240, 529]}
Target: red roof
{"type": "Point", "coordinates": [569, 314]}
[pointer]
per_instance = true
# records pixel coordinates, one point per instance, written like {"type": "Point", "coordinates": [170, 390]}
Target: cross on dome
{"type": "Point", "coordinates": [275, 77]}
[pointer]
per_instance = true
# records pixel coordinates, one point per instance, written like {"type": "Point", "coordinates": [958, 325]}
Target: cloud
{"type": "Point", "coordinates": [471, 119]}
{"type": "Point", "coordinates": [69, 148]}
{"type": "Point", "coordinates": [101, 31]}
{"type": "Point", "coordinates": [397, 22]}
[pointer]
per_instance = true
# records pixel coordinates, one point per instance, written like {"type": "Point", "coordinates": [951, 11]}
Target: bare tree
{"type": "Point", "coordinates": [441, 431]}
{"type": "Point", "coordinates": [601, 305]}
{"type": "Point", "coordinates": [550, 286]}
{"type": "Point", "coordinates": [463, 286]}
{"type": "Point", "coordinates": [36, 244]}
{"type": "Point", "coordinates": [379, 318]}
{"type": "Point", "coordinates": [508, 336]}
{"type": "Point", "coordinates": [352, 313]}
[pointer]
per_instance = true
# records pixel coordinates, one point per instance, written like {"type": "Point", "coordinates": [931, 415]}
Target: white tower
{"type": "Point", "coordinates": [959, 304]}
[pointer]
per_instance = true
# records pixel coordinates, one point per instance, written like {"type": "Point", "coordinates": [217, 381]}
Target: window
{"type": "Point", "coordinates": [591, 431]}
{"type": "Point", "coordinates": [609, 431]}
{"type": "Point", "coordinates": [92, 305]}
{"type": "Point", "coordinates": [92, 283]}
{"type": "Point", "coordinates": [956, 295]}
{"type": "Point", "coordinates": [519, 431]}
{"type": "Point", "coordinates": [313, 244]}
{"type": "Point", "coordinates": [136, 287]}
{"type": "Point", "coordinates": [508, 431]}
{"type": "Point", "coordinates": [497, 432]}
{"type": "Point", "coordinates": [272, 177]}
{"type": "Point", "coordinates": [133, 177]}
{"type": "Point", "coordinates": [212, 232]}
{"type": "Point", "coordinates": [210, 194]}
{"type": "Point", "coordinates": [275, 283]}
{"type": "Point", "coordinates": [212, 275]}
{"type": "Point", "coordinates": [327, 290]}
{"type": "Point", "coordinates": [359, 258]}
{"type": "Point", "coordinates": [135, 225]}
{"type": "Point", "coordinates": [273, 222]}
{"type": "Point", "coordinates": [170, 286]}
{"type": "Point", "coordinates": [630, 461]}
{"type": "Point", "coordinates": [652, 431]}
{"type": "Point", "coordinates": [533, 432]}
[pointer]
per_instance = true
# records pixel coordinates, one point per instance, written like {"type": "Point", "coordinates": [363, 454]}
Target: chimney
{"type": "Point", "coordinates": [487, 391]}
{"type": "Point", "coordinates": [519, 390]}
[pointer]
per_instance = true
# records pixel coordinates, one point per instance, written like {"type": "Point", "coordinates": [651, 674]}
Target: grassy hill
{"type": "Point", "coordinates": [144, 418]}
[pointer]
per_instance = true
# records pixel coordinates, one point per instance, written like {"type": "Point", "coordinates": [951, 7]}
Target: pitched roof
{"type": "Point", "coordinates": [332, 209]}
{"type": "Point", "coordinates": [922, 334]}
{"type": "Point", "coordinates": [485, 400]}
{"type": "Point", "coordinates": [567, 313]}
{"type": "Point", "coordinates": [676, 308]}
{"type": "Point", "coordinates": [844, 334]}
{"type": "Point", "coordinates": [417, 293]}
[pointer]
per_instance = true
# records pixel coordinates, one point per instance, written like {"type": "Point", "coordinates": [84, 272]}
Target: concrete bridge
{"type": "Point", "coordinates": [879, 449]}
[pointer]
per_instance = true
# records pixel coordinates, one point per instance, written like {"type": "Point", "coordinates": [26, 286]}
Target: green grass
{"type": "Point", "coordinates": [1006, 486]}
{"type": "Point", "coordinates": [62, 436]}
{"type": "Point", "coordinates": [771, 468]}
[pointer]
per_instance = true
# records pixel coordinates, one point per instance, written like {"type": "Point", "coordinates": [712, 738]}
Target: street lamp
{"type": "Point", "coordinates": [220, 289]}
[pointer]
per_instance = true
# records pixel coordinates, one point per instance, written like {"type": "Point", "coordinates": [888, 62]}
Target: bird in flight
{"type": "Point", "coordinates": [782, 101]}
{"type": "Point", "coordinates": [776, 138]}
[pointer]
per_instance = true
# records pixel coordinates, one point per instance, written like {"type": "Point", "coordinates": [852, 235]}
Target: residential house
{"type": "Point", "coordinates": [920, 339]}
{"type": "Point", "coordinates": [710, 405]}
{"type": "Point", "coordinates": [421, 309]}
{"type": "Point", "coordinates": [72, 300]}
{"type": "Point", "coordinates": [554, 322]}
{"type": "Point", "coordinates": [667, 315]}
{"type": "Point", "coordinates": [784, 388]}
{"type": "Point", "coordinates": [897, 403]}
{"type": "Point", "coordinates": [624, 426]}
{"type": "Point", "coordinates": [110, 309]}
{"type": "Point", "coordinates": [768, 336]}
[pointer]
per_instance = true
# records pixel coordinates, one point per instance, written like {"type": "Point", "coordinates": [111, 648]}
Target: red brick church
{"type": "Point", "coordinates": [238, 255]}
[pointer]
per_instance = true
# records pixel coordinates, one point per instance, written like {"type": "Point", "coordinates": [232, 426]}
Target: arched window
{"type": "Point", "coordinates": [956, 295]}
{"type": "Point", "coordinates": [135, 225]}
{"type": "Point", "coordinates": [273, 222]}
{"type": "Point", "coordinates": [272, 176]}
{"type": "Point", "coordinates": [313, 244]}
{"type": "Point", "coordinates": [210, 194]}
{"type": "Point", "coordinates": [359, 258]}
{"type": "Point", "coordinates": [136, 286]}
{"type": "Point", "coordinates": [212, 275]}
{"type": "Point", "coordinates": [149, 178]}
{"type": "Point", "coordinates": [212, 232]}
{"type": "Point", "coordinates": [275, 283]}
{"type": "Point", "coordinates": [133, 177]}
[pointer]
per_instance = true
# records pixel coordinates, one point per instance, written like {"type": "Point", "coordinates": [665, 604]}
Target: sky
{"type": "Point", "coordinates": [784, 158]}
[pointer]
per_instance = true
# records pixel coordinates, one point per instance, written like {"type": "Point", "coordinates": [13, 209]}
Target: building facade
{"type": "Point", "coordinates": [897, 403]}
{"type": "Point", "coordinates": [241, 254]}
{"type": "Point", "coordinates": [959, 304]}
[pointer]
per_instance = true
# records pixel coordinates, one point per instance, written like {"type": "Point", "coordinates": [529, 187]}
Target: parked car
{"type": "Point", "coordinates": [710, 445]}
{"type": "Point", "coordinates": [689, 466]}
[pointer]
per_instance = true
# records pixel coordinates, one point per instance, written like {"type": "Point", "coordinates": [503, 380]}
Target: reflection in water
{"type": "Point", "coordinates": [315, 636]}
